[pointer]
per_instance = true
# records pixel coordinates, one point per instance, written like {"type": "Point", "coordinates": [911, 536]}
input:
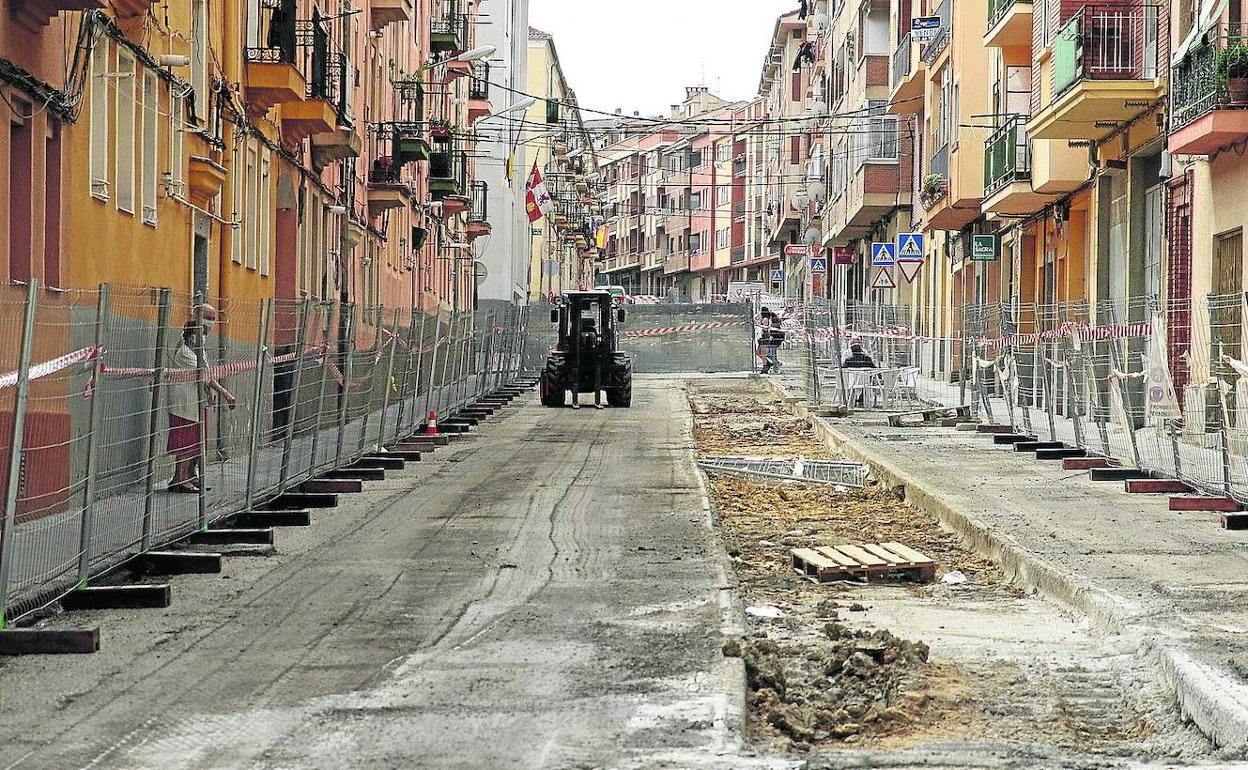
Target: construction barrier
{"type": "Point", "coordinates": [109, 394]}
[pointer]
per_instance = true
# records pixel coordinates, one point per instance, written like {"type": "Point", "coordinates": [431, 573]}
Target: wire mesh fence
{"type": "Point", "coordinates": [131, 417]}
{"type": "Point", "coordinates": [1157, 385]}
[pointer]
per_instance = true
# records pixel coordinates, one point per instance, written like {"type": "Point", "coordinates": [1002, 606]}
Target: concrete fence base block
{"type": "Point", "coordinates": [292, 501]}
{"type": "Point", "coordinates": [406, 455]}
{"type": "Point", "coordinates": [177, 563]}
{"type": "Point", "coordinates": [49, 641]}
{"type": "Point", "coordinates": [269, 519]}
{"type": "Point", "coordinates": [358, 474]}
{"type": "Point", "coordinates": [237, 536]}
{"type": "Point", "coordinates": [1155, 486]}
{"type": "Point", "coordinates": [421, 438]}
{"type": "Point", "coordinates": [456, 426]}
{"type": "Point", "coordinates": [118, 597]}
{"type": "Point", "coordinates": [1234, 521]}
{"type": "Point", "coordinates": [994, 428]}
{"type": "Point", "coordinates": [1032, 446]}
{"type": "Point", "coordinates": [459, 418]}
{"type": "Point", "coordinates": [1084, 463]}
{"type": "Point", "coordinates": [385, 463]}
{"type": "Point", "coordinates": [1010, 438]}
{"type": "Point", "coordinates": [332, 486]}
{"type": "Point", "coordinates": [1202, 503]}
{"type": "Point", "coordinates": [1117, 474]}
{"type": "Point", "coordinates": [1060, 453]}
{"type": "Point", "coordinates": [969, 427]}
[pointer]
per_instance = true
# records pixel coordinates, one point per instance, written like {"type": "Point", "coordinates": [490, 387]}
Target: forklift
{"type": "Point", "coordinates": [586, 358]}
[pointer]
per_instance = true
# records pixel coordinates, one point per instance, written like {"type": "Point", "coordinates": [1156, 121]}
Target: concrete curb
{"type": "Point", "coordinates": [1215, 703]}
{"type": "Point", "coordinates": [732, 610]}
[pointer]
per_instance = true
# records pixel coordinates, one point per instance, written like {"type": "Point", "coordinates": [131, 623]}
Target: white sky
{"type": "Point", "coordinates": [640, 54]}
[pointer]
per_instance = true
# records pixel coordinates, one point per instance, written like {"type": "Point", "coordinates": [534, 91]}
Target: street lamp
{"type": "Point", "coordinates": [471, 55]}
{"type": "Point", "coordinates": [519, 106]}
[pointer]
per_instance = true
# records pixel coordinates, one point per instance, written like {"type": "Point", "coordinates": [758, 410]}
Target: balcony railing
{"type": "Point", "coordinates": [1198, 81]}
{"type": "Point", "coordinates": [738, 211]}
{"type": "Point", "coordinates": [325, 66]}
{"type": "Point", "coordinates": [1007, 155]}
{"type": "Point", "coordinates": [448, 171]}
{"type": "Point", "coordinates": [479, 85]}
{"type": "Point", "coordinates": [998, 8]}
{"type": "Point", "coordinates": [939, 41]}
{"type": "Point", "coordinates": [901, 60]}
{"type": "Point", "coordinates": [936, 183]}
{"type": "Point", "coordinates": [737, 254]}
{"type": "Point", "coordinates": [1106, 42]}
{"type": "Point", "coordinates": [480, 201]}
{"type": "Point", "coordinates": [449, 32]}
{"type": "Point", "coordinates": [277, 31]}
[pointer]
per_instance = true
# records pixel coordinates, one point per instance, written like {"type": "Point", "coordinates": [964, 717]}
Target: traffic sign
{"type": "Point", "coordinates": [842, 255]}
{"type": "Point", "coordinates": [777, 275]}
{"type": "Point", "coordinates": [818, 265]}
{"type": "Point", "coordinates": [796, 250]}
{"type": "Point", "coordinates": [910, 246]}
{"type": "Point", "coordinates": [909, 268]}
{"type": "Point", "coordinates": [924, 28]}
{"type": "Point", "coordinates": [985, 248]}
{"type": "Point", "coordinates": [884, 279]}
{"type": "Point", "coordinates": [883, 254]}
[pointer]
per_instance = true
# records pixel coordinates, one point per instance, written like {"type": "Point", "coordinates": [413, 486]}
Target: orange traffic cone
{"type": "Point", "coordinates": [432, 428]}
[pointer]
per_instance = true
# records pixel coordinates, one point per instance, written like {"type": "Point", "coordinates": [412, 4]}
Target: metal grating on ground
{"type": "Point", "coordinates": [872, 561]}
{"type": "Point", "coordinates": [838, 472]}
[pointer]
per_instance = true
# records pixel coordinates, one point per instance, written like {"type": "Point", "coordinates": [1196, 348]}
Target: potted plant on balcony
{"type": "Point", "coordinates": [1232, 68]}
{"type": "Point", "coordinates": [934, 186]}
{"type": "Point", "coordinates": [440, 130]}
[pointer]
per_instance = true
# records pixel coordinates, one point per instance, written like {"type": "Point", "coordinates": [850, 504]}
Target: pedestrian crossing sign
{"type": "Point", "coordinates": [818, 265]}
{"type": "Point", "coordinates": [883, 253]}
{"type": "Point", "coordinates": [910, 246]}
{"type": "Point", "coordinates": [776, 275]}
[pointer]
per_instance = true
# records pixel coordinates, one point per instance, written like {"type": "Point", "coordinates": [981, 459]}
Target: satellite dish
{"type": "Point", "coordinates": [480, 272]}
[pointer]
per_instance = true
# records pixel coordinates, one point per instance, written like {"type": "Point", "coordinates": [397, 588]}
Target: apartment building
{"type": "Point", "coordinates": [564, 252]}
{"type": "Point", "coordinates": [242, 150]}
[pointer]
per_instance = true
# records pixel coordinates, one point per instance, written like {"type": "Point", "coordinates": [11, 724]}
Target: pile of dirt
{"type": "Point", "coordinates": [848, 686]}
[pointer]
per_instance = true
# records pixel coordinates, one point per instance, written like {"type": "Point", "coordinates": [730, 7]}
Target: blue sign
{"type": "Point", "coordinates": [818, 265]}
{"type": "Point", "coordinates": [923, 28]}
{"type": "Point", "coordinates": [910, 246]}
{"type": "Point", "coordinates": [883, 254]}
{"type": "Point", "coordinates": [777, 275]}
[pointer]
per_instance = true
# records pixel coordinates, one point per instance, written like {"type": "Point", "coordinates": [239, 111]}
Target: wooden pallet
{"type": "Point", "coordinates": [926, 416]}
{"type": "Point", "coordinates": [871, 561]}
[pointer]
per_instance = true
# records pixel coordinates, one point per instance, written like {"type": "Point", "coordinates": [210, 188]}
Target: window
{"type": "Point", "coordinates": [249, 210]}
{"type": "Point", "coordinates": [723, 195]}
{"type": "Point", "coordinates": [695, 244]}
{"type": "Point", "coordinates": [177, 120]}
{"type": "Point", "coordinates": [795, 88]}
{"type": "Point", "coordinates": [100, 84]}
{"type": "Point", "coordinates": [236, 200]}
{"type": "Point", "coordinates": [722, 238]}
{"type": "Point", "coordinates": [1154, 217]}
{"type": "Point", "coordinates": [124, 161]}
{"type": "Point", "coordinates": [695, 201]}
{"type": "Point", "coordinates": [199, 56]}
{"type": "Point", "coordinates": [882, 132]}
{"type": "Point", "coordinates": [795, 149]}
{"type": "Point", "coordinates": [265, 213]}
{"type": "Point", "coordinates": [305, 239]}
{"type": "Point", "coordinates": [148, 179]}
{"type": "Point", "coordinates": [723, 152]}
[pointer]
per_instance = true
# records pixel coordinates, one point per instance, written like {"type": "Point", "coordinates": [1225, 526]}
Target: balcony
{"type": "Point", "coordinates": [386, 189]}
{"type": "Point", "coordinates": [676, 222]}
{"type": "Point", "coordinates": [676, 263]}
{"type": "Point", "coordinates": [479, 92]}
{"type": "Point", "coordinates": [907, 82]}
{"type": "Point", "coordinates": [448, 172]}
{"type": "Point", "coordinates": [273, 73]}
{"type": "Point", "coordinates": [478, 211]}
{"type": "Point", "coordinates": [940, 41]}
{"type": "Point", "coordinates": [326, 105]}
{"type": "Point", "coordinates": [1208, 110]}
{"type": "Point", "coordinates": [935, 185]}
{"type": "Point", "coordinates": [1007, 170]}
{"type": "Point", "coordinates": [449, 34]}
{"type": "Point", "coordinates": [385, 12]}
{"type": "Point", "coordinates": [330, 146]}
{"type": "Point", "coordinates": [737, 254]}
{"type": "Point", "coordinates": [36, 14]}
{"type": "Point", "coordinates": [1105, 72]}
{"type": "Point", "coordinates": [1009, 24]}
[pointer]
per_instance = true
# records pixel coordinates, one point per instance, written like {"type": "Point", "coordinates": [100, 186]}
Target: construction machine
{"type": "Point", "coordinates": [586, 358]}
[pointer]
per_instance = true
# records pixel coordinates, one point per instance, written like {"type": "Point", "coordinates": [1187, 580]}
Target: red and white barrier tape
{"type": "Point", "coordinates": [663, 330]}
{"type": "Point", "coordinates": [48, 368]}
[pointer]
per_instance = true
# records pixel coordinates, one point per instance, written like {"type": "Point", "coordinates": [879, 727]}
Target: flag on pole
{"type": "Point", "coordinates": [538, 201]}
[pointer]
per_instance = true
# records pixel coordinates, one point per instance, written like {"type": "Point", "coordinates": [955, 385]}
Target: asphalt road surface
{"type": "Point", "coordinates": [545, 593]}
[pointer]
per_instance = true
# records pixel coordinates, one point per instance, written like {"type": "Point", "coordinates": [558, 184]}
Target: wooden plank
{"type": "Point", "coordinates": [911, 554]}
{"type": "Point", "coordinates": [864, 558]}
{"type": "Point", "coordinates": [888, 556]}
{"type": "Point", "coordinates": [810, 562]}
{"type": "Point", "coordinates": [837, 557]}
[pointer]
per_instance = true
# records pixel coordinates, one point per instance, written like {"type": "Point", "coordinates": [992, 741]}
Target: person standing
{"type": "Point", "coordinates": [185, 418]}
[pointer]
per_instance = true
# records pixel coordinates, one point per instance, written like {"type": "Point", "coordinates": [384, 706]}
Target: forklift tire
{"type": "Point", "coordinates": [621, 397]}
{"type": "Point", "coordinates": [551, 396]}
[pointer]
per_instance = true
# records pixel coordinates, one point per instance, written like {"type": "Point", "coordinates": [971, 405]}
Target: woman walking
{"type": "Point", "coordinates": [185, 417]}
